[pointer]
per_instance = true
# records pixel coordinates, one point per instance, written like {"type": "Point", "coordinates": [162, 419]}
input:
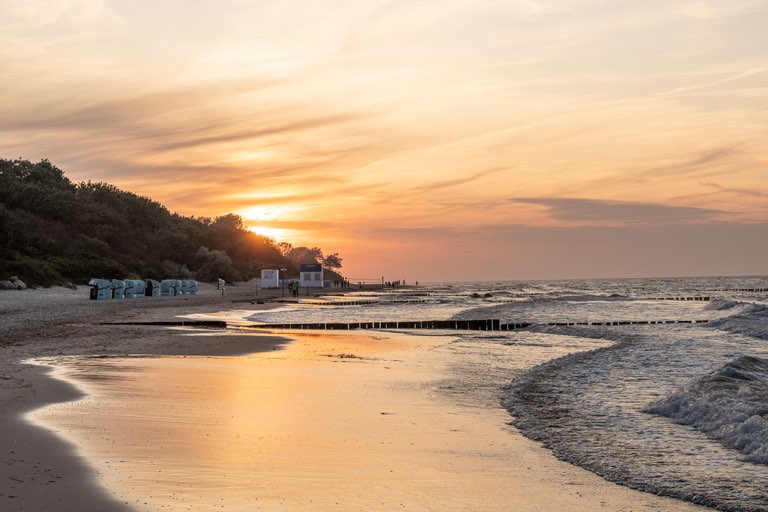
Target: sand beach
{"type": "Point", "coordinates": [354, 421]}
{"type": "Point", "coordinates": [41, 471]}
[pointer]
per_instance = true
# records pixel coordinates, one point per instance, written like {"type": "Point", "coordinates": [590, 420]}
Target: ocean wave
{"type": "Point", "coordinates": [588, 409]}
{"type": "Point", "coordinates": [749, 320]}
{"type": "Point", "coordinates": [722, 305]}
{"type": "Point", "coordinates": [582, 297]}
{"type": "Point", "coordinates": [729, 404]}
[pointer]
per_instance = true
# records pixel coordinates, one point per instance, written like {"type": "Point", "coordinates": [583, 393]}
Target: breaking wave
{"type": "Point", "coordinates": [748, 319]}
{"type": "Point", "coordinates": [590, 409]}
{"type": "Point", "coordinates": [729, 404]}
{"type": "Point", "coordinates": [722, 305]}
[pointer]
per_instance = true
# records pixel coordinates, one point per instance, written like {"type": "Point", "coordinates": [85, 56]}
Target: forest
{"type": "Point", "coordinates": [54, 232]}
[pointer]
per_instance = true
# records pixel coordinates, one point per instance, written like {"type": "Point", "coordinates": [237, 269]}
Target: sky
{"type": "Point", "coordinates": [422, 140]}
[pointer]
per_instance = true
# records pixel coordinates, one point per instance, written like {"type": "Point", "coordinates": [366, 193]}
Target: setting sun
{"type": "Point", "coordinates": [276, 234]}
{"type": "Point", "coordinates": [260, 213]}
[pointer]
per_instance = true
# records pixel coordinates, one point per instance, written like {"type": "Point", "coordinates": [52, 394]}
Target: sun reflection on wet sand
{"type": "Point", "coordinates": [335, 422]}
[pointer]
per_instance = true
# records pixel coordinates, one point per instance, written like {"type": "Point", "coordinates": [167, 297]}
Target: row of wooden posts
{"type": "Point", "coordinates": [421, 301]}
{"type": "Point", "coordinates": [681, 298]}
{"type": "Point", "coordinates": [363, 302]}
{"type": "Point", "coordinates": [458, 325]}
{"type": "Point", "coordinates": [454, 325]}
{"type": "Point", "coordinates": [758, 290]}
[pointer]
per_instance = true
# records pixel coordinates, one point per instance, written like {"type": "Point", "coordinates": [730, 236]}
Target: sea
{"type": "Point", "coordinates": [659, 385]}
{"type": "Point", "coordinates": [675, 405]}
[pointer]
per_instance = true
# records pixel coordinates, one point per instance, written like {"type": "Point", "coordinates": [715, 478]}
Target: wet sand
{"type": "Point", "coordinates": [347, 421]}
{"type": "Point", "coordinates": [41, 471]}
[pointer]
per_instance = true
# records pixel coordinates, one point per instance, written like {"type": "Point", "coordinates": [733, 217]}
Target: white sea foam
{"type": "Point", "coordinates": [723, 305]}
{"type": "Point", "coordinates": [749, 319]}
{"type": "Point", "coordinates": [588, 408]}
{"type": "Point", "coordinates": [729, 404]}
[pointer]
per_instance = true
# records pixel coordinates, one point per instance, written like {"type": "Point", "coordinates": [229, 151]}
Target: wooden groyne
{"type": "Point", "coordinates": [704, 298]}
{"type": "Point", "coordinates": [183, 323]}
{"type": "Point", "coordinates": [339, 303]}
{"type": "Point", "coordinates": [362, 302]}
{"type": "Point", "coordinates": [406, 294]}
{"type": "Point", "coordinates": [491, 324]}
{"type": "Point", "coordinates": [456, 325]}
{"type": "Point", "coordinates": [623, 322]}
{"type": "Point", "coordinates": [753, 290]}
{"type": "Point", "coordinates": [459, 325]}
{"type": "Point", "coordinates": [403, 301]}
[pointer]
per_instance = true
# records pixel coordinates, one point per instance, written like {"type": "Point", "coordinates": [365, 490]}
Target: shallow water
{"type": "Point", "coordinates": [335, 422]}
{"type": "Point", "coordinates": [555, 301]}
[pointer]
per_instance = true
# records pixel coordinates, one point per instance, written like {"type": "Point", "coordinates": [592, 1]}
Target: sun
{"type": "Point", "coordinates": [261, 213]}
{"type": "Point", "coordinates": [276, 234]}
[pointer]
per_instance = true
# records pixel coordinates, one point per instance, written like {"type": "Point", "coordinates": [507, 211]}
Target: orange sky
{"type": "Point", "coordinates": [459, 139]}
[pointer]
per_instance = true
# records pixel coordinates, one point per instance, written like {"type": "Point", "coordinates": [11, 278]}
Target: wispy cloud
{"type": "Point", "coordinates": [714, 83]}
{"type": "Point", "coordinates": [592, 211]}
{"type": "Point", "coordinates": [389, 122]}
{"type": "Point", "coordinates": [697, 164]}
{"type": "Point", "coordinates": [738, 191]}
{"type": "Point", "coordinates": [473, 178]}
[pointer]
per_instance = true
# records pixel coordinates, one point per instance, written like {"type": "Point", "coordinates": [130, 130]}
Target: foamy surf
{"type": "Point", "coordinates": [729, 404]}
{"type": "Point", "coordinates": [590, 409]}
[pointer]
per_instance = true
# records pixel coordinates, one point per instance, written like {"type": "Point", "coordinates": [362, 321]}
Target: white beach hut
{"type": "Point", "coordinates": [270, 278]}
{"type": "Point", "coordinates": [311, 276]}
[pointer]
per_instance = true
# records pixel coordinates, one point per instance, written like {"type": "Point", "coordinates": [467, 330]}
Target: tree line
{"type": "Point", "coordinates": [54, 231]}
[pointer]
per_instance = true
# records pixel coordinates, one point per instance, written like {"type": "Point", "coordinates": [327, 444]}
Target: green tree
{"type": "Point", "coordinates": [332, 261]}
{"type": "Point", "coordinates": [53, 231]}
{"type": "Point", "coordinates": [215, 265]}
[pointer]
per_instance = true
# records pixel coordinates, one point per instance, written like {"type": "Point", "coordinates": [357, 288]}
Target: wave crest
{"type": "Point", "coordinates": [750, 320]}
{"type": "Point", "coordinates": [722, 305]}
{"type": "Point", "coordinates": [729, 404]}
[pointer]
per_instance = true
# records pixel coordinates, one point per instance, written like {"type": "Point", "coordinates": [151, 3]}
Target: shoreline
{"type": "Point", "coordinates": [40, 452]}
{"type": "Point", "coordinates": [43, 472]}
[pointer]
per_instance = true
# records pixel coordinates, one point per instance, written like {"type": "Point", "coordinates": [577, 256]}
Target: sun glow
{"type": "Point", "coordinates": [261, 213]}
{"type": "Point", "coordinates": [258, 220]}
{"type": "Point", "coordinates": [276, 234]}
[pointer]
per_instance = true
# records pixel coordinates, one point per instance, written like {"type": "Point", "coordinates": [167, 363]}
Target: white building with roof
{"type": "Point", "coordinates": [311, 275]}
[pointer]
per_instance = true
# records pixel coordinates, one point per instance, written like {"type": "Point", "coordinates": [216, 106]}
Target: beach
{"type": "Point", "coordinates": [398, 406]}
{"type": "Point", "coordinates": [42, 472]}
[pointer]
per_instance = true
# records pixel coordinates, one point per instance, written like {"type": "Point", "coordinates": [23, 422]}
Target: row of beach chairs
{"type": "Point", "coordinates": [102, 289]}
